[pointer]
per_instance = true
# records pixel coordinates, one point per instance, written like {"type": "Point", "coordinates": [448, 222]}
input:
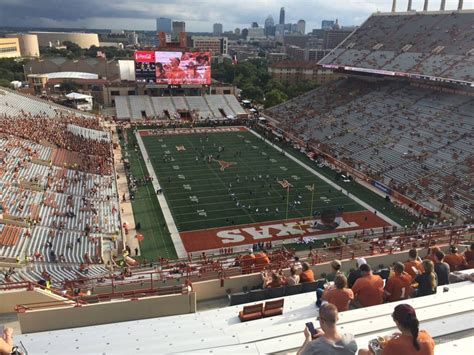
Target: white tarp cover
{"type": "Point", "coordinates": [78, 96]}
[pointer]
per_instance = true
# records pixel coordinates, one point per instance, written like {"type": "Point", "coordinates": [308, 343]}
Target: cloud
{"type": "Point", "coordinates": [198, 14]}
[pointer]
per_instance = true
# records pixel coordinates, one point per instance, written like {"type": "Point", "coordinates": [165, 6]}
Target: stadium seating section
{"type": "Point", "coordinates": [414, 139]}
{"type": "Point", "coordinates": [50, 193]}
{"type": "Point", "coordinates": [431, 44]}
{"type": "Point", "coordinates": [200, 107]}
{"type": "Point", "coordinates": [443, 315]}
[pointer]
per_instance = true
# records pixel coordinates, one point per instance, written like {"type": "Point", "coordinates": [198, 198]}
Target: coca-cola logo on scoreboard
{"type": "Point", "coordinates": [145, 56]}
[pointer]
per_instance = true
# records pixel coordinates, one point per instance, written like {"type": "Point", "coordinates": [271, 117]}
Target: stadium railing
{"type": "Point", "coordinates": [226, 266]}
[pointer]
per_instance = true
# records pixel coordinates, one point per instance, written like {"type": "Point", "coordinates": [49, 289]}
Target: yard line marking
{"type": "Point", "coordinates": [325, 179]}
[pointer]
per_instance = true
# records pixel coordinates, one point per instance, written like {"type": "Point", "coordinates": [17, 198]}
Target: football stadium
{"type": "Point", "coordinates": [336, 222]}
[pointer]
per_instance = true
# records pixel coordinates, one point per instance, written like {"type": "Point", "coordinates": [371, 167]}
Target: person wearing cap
{"type": "Point", "coordinates": [441, 269]}
{"type": "Point", "coordinates": [410, 340]}
{"type": "Point", "coordinates": [328, 339]}
{"type": "Point", "coordinates": [336, 269]}
{"type": "Point", "coordinates": [355, 274]}
{"type": "Point", "coordinates": [413, 266]}
{"type": "Point", "coordinates": [455, 260]}
{"type": "Point", "coordinates": [368, 289]}
{"type": "Point", "coordinates": [398, 285]}
{"type": "Point", "coordinates": [339, 295]}
{"type": "Point", "coordinates": [307, 274]}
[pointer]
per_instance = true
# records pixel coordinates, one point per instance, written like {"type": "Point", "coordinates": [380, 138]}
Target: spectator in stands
{"type": "Point", "coordinates": [410, 340]}
{"type": "Point", "coordinates": [441, 269]}
{"type": "Point", "coordinates": [6, 341]}
{"type": "Point", "coordinates": [294, 278]}
{"type": "Point", "coordinates": [355, 274]}
{"type": "Point", "coordinates": [297, 263]}
{"type": "Point", "coordinates": [328, 340]}
{"type": "Point", "coordinates": [432, 254]}
{"type": "Point", "coordinates": [398, 284]}
{"type": "Point", "coordinates": [368, 289]}
{"type": "Point", "coordinates": [413, 266]}
{"type": "Point", "coordinates": [272, 281]}
{"type": "Point", "coordinates": [455, 260]}
{"type": "Point", "coordinates": [469, 256]}
{"type": "Point", "coordinates": [307, 274]}
{"type": "Point", "coordinates": [261, 260]}
{"type": "Point", "coordinates": [247, 261]}
{"type": "Point", "coordinates": [336, 269]}
{"type": "Point", "coordinates": [427, 282]}
{"type": "Point", "coordinates": [339, 295]}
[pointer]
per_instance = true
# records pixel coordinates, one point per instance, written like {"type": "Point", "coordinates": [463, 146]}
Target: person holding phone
{"type": "Point", "coordinates": [6, 341]}
{"type": "Point", "coordinates": [327, 340]}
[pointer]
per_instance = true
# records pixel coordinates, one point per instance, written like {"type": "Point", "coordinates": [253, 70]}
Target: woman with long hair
{"type": "Point", "coordinates": [411, 340]}
{"type": "Point", "coordinates": [427, 281]}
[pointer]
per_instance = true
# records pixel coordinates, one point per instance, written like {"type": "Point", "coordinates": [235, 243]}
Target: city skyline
{"type": "Point", "coordinates": [198, 15]}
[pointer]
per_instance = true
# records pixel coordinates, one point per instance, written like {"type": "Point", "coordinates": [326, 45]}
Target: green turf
{"type": "Point", "coordinates": [146, 210]}
{"type": "Point", "coordinates": [185, 179]}
{"type": "Point", "coordinates": [377, 202]}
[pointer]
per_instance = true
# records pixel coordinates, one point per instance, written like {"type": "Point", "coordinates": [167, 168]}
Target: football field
{"type": "Point", "coordinates": [214, 179]}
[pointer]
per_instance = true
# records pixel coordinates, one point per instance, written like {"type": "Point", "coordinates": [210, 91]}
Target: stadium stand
{"type": "Point", "coordinates": [163, 108]}
{"type": "Point", "coordinates": [59, 207]}
{"type": "Point", "coordinates": [57, 195]}
{"type": "Point", "coordinates": [13, 103]}
{"type": "Point", "coordinates": [420, 43]}
{"type": "Point", "coordinates": [220, 331]}
{"type": "Point", "coordinates": [413, 139]}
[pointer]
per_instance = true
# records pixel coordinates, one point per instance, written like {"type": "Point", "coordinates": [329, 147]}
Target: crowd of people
{"type": "Point", "coordinates": [75, 206]}
{"type": "Point", "coordinates": [362, 287]}
{"type": "Point", "coordinates": [92, 155]}
{"type": "Point", "coordinates": [413, 278]}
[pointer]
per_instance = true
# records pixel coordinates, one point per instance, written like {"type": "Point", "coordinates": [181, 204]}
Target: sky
{"type": "Point", "coordinates": [199, 15]}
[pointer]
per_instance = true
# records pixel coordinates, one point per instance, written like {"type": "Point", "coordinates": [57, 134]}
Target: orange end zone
{"type": "Point", "coordinates": [248, 234]}
{"type": "Point", "coordinates": [197, 130]}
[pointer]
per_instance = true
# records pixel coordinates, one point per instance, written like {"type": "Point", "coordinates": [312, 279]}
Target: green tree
{"type": "Point", "coordinates": [68, 86]}
{"type": "Point", "coordinates": [252, 93]}
{"type": "Point", "coordinates": [11, 69]}
{"type": "Point", "coordinates": [275, 97]}
{"type": "Point", "coordinates": [4, 82]}
{"type": "Point", "coordinates": [74, 51]}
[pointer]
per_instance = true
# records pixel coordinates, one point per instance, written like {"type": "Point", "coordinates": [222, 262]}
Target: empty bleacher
{"type": "Point", "coordinates": [163, 108]}
{"type": "Point", "coordinates": [121, 107]}
{"type": "Point", "coordinates": [13, 103]}
{"type": "Point", "coordinates": [413, 139]}
{"type": "Point", "coordinates": [435, 44]}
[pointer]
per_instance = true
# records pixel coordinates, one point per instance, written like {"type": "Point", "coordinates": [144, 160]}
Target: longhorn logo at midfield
{"type": "Point", "coordinates": [225, 164]}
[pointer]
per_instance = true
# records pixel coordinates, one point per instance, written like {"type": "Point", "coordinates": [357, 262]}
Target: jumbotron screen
{"type": "Point", "coordinates": [173, 68]}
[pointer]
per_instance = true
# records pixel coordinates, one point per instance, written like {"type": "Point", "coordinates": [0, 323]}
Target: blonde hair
{"type": "Point", "coordinates": [429, 268]}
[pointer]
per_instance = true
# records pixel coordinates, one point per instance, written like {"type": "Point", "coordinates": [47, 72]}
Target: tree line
{"type": "Point", "coordinates": [251, 76]}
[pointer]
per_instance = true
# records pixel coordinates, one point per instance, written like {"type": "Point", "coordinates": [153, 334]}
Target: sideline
{"type": "Point", "coordinates": [177, 242]}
